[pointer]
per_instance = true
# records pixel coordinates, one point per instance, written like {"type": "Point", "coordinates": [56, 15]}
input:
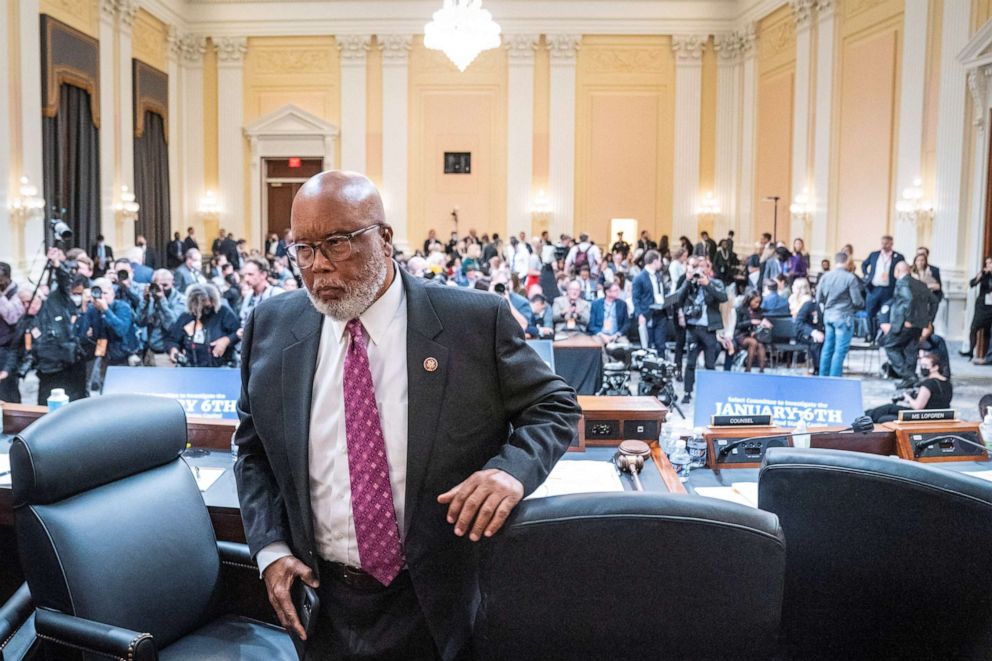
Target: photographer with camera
{"type": "Point", "coordinates": [53, 338]}
{"type": "Point", "coordinates": [699, 297]}
{"type": "Point", "coordinates": [206, 334]}
{"type": "Point", "coordinates": [934, 392]}
{"type": "Point", "coordinates": [161, 306]}
{"type": "Point", "coordinates": [113, 320]}
{"type": "Point", "coordinates": [124, 285]}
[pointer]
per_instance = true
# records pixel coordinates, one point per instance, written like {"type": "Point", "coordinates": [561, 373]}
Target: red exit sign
{"type": "Point", "coordinates": [294, 162]}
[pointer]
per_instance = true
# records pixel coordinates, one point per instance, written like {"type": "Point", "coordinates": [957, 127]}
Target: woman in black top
{"type": "Point", "coordinates": [934, 392]}
{"type": "Point", "coordinates": [207, 333]}
{"type": "Point", "coordinates": [982, 319]}
{"type": "Point", "coordinates": [751, 318]}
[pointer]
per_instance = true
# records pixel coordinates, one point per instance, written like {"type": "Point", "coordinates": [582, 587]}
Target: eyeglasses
{"type": "Point", "coordinates": [335, 248]}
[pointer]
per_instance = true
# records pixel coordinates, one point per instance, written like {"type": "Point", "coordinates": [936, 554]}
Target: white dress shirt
{"type": "Point", "coordinates": [880, 276]}
{"type": "Point", "coordinates": [385, 323]}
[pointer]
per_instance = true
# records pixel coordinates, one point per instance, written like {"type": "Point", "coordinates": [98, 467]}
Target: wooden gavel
{"type": "Point", "coordinates": [630, 458]}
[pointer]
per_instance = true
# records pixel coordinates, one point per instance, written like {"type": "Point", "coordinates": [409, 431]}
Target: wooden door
{"type": "Point", "coordinates": [280, 196]}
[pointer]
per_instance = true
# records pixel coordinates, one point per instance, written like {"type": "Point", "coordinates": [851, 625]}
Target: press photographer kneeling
{"type": "Point", "coordinates": [933, 392]}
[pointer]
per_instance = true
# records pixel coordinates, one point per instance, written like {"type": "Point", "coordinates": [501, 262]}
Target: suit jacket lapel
{"type": "Point", "coordinates": [425, 387]}
{"type": "Point", "coordinates": [299, 364]}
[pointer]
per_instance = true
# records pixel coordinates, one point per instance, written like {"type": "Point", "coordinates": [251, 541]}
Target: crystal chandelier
{"type": "Point", "coordinates": [462, 29]}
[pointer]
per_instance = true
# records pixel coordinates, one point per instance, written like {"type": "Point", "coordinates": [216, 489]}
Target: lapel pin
{"type": "Point", "coordinates": [430, 364]}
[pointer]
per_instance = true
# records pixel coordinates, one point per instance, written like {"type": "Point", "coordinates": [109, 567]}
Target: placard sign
{"type": "Point", "coordinates": [204, 392]}
{"type": "Point", "coordinates": [787, 399]}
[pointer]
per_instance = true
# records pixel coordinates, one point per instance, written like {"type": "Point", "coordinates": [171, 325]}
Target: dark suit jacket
{"type": "Point", "coordinates": [597, 317]}
{"type": "Point", "coordinates": [714, 294]}
{"type": "Point", "coordinates": [108, 258]}
{"type": "Point", "coordinates": [911, 302]}
{"type": "Point", "coordinates": [642, 291]}
{"type": "Point", "coordinates": [491, 403]}
{"type": "Point", "coordinates": [189, 243]}
{"type": "Point", "coordinates": [868, 268]}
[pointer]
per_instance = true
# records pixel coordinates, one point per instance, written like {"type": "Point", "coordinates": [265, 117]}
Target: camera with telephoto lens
{"type": "Point", "coordinates": [154, 288]}
{"type": "Point", "coordinates": [123, 275]}
{"type": "Point", "coordinates": [499, 288]}
{"type": "Point", "coordinates": [96, 292]}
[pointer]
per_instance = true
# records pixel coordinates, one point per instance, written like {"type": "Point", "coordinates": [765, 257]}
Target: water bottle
{"type": "Point", "coordinates": [986, 429]}
{"type": "Point", "coordinates": [234, 448]}
{"type": "Point", "coordinates": [801, 438]}
{"type": "Point", "coordinates": [697, 448]}
{"type": "Point", "coordinates": [57, 399]}
{"type": "Point", "coordinates": [667, 445]}
{"type": "Point", "coordinates": [680, 461]}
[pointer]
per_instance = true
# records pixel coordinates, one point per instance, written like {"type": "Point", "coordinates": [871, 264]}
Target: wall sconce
{"type": "Point", "coordinates": [540, 214]}
{"type": "Point", "coordinates": [917, 213]}
{"type": "Point", "coordinates": [912, 206]}
{"type": "Point", "coordinates": [27, 202]}
{"type": "Point", "coordinates": [706, 213]}
{"type": "Point", "coordinates": [209, 205]}
{"type": "Point", "coordinates": [801, 210]}
{"type": "Point", "coordinates": [127, 208]}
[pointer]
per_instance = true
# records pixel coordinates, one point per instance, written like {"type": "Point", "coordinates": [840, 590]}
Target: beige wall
{"type": "Point", "coordinates": [867, 123]}
{"type": "Point", "coordinates": [149, 40]}
{"type": "Point", "coordinates": [624, 134]}
{"type": "Point", "coordinates": [776, 81]}
{"type": "Point", "coordinates": [542, 117]}
{"type": "Point", "coordinates": [373, 113]}
{"type": "Point", "coordinates": [84, 15]}
{"type": "Point", "coordinates": [452, 111]}
{"type": "Point", "coordinates": [707, 138]}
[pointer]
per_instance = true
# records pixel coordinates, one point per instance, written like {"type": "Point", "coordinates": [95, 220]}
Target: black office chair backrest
{"type": "Point", "coordinates": [110, 523]}
{"type": "Point", "coordinates": [783, 329]}
{"type": "Point", "coordinates": [887, 558]}
{"type": "Point", "coordinates": [631, 576]}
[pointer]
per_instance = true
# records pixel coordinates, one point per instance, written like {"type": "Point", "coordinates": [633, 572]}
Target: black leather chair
{"type": "Point", "coordinates": [631, 576]}
{"type": "Point", "coordinates": [116, 542]}
{"type": "Point", "coordinates": [17, 636]}
{"type": "Point", "coordinates": [888, 559]}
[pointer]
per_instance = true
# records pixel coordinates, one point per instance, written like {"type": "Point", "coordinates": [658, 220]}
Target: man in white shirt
{"type": "Point", "coordinates": [385, 425]}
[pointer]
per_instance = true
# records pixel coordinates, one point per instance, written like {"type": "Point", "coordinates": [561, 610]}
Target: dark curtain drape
{"type": "Point", "coordinates": [151, 186]}
{"type": "Point", "coordinates": [71, 145]}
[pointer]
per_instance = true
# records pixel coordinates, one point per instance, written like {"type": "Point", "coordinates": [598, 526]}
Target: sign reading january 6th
{"type": "Point", "coordinates": [204, 392]}
{"type": "Point", "coordinates": [787, 399]}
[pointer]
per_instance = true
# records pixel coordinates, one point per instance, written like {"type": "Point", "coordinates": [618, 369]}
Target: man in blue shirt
{"type": "Point", "coordinates": [773, 304]}
{"type": "Point", "coordinates": [608, 319]}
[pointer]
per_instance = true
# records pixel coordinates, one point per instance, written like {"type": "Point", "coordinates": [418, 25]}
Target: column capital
{"type": "Point", "coordinates": [230, 50]}
{"type": "Point", "coordinates": [520, 48]}
{"type": "Point", "coordinates": [728, 47]}
{"type": "Point", "coordinates": [108, 11]}
{"type": "Point", "coordinates": [563, 47]}
{"type": "Point", "coordinates": [978, 84]}
{"type": "Point", "coordinates": [748, 39]}
{"type": "Point", "coordinates": [688, 48]}
{"type": "Point", "coordinates": [126, 11]}
{"type": "Point", "coordinates": [395, 47]}
{"type": "Point", "coordinates": [353, 47]}
{"type": "Point", "coordinates": [825, 8]}
{"type": "Point", "coordinates": [186, 46]}
{"type": "Point", "coordinates": [802, 13]}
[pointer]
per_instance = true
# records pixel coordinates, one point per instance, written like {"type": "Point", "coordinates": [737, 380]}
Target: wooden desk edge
{"type": "Point", "coordinates": [667, 471]}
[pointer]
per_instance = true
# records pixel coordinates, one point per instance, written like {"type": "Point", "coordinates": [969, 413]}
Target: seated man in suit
{"type": "Point", "coordinates": [411, 420]}
{"type": "Point", "coordinates": [608, 319]}
{"type": "Point", "coordinates": [571, 312]}
{"type": "Point", "coordinates": [772, 303]}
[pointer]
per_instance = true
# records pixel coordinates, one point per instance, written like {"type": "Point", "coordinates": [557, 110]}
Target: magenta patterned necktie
{"type": "Point", "coordinates": [379, 547]}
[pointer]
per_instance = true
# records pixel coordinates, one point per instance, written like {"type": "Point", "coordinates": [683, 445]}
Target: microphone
{"type": "Point", "coordinates": [920, 446]}
{"type": "Point", "coordinates": [630, 458]}
{"type": "Point", "coordinates": [861, 425]}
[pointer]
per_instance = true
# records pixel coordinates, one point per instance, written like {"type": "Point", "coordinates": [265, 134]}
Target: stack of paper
{"type": "Point", "coordinates": [579, 476]}
{"type": "Point", "coordinates": [742, 493]}
{"type": "Point", "coordinates": [981, 475]}
{"type": "Point", "coordinates": [205, 477]}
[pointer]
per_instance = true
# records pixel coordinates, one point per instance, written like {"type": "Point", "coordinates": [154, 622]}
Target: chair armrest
{"type": "Point", "coordinates": [236, 555]}
{"type": "Point", "coordinates": [14, 614]}
{"type": "Point", "coordinates": [94, 637]}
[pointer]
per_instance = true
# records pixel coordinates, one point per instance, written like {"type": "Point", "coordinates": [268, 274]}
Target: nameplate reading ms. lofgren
{"type": "Point", "coordinates": [924, 415]}
{"type": "Point", "coordinates": [740, 420]}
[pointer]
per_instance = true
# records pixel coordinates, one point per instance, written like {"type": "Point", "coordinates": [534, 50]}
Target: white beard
{"type": "Point", "coordinates": [362, 294]}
